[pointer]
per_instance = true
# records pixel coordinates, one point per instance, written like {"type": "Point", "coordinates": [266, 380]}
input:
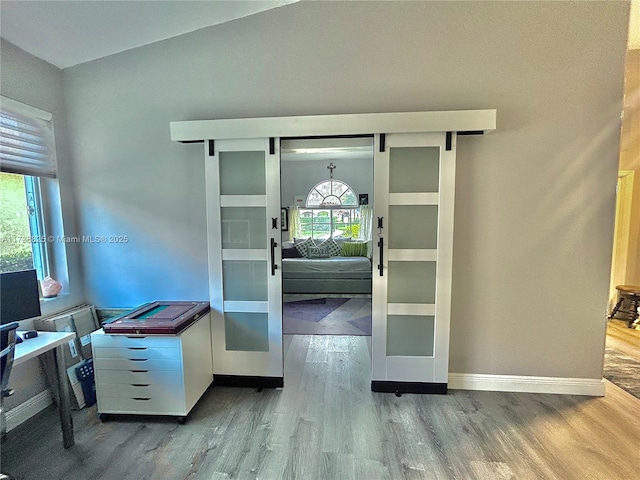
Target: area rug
{"type": "Point", "coordinates": [363, 323]}
{"type": "Point", "coordinates": [327, 316]}
{"type": "Point", "coordinates": [622, 370]}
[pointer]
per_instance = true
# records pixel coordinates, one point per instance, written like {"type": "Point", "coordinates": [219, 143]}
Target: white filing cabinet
{"type": "Point", "coordinates": [152, 374]}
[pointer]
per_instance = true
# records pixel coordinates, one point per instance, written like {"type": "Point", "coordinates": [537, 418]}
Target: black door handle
{"type": "Point", "coordinates": [274, 267]}
{"type": "Point", "coordinates": [380, 265]}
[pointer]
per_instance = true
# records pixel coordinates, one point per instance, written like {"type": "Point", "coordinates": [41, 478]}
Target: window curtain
{"type": "Point", "coordinates": [27, 144]}
{"type": "Point", "coordinates": [366, 223]}
{"type": "Point", "coordinates": [294, 222]}
{"type": "Point", "coordinates": [366, 227]}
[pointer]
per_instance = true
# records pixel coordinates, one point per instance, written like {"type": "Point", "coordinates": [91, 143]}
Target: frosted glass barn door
{"type": "Point", "coordinates": [414, 178]}
{"type": "Point", "coordinates": [243, 223]}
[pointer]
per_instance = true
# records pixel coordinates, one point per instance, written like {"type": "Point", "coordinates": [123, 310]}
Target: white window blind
{"type": "Point", "coordinates": [27, 144]}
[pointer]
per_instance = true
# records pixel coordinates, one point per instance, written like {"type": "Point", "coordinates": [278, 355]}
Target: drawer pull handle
{"type": "Point", "coordinates": [140, 384]}
{"type": "Point", "coordinates": [138, 359]}
{"type": "Point", "coordinates": [141, 398]}
{"type": "Point", "coordinates": [135, 337]}
{"type": "Point", "coordinates": [139, 371]}
{"type": "Point", "coordinates": [137, 348]}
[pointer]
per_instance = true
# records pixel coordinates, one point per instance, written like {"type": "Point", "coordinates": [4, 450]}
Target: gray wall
{"type": "Point", "coordinates": [535, 199]}
{"type": "Point", "coordinates": [29, 80]}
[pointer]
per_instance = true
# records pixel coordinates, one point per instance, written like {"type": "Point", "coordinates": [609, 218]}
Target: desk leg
{"type": "Point", "coordinates": [64, 403]}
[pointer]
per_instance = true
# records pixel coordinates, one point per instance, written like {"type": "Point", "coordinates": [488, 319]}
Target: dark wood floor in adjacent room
{"type": "Point", "coordinates": [327, 424]}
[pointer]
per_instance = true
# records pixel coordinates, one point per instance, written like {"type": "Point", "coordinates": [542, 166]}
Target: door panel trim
{"type": "Point", "coordinates": [249, 307]}
{"type": "Point", "coordinates": [426, 309]}
{"type": "Point", "coordinates": [412, 255]}
{"type": "Point", "coordinates": [245, 254]}
{"type": "Point", "coordinates": [420, 198]}
{"type": "Point", "coordinates": [243, 200]}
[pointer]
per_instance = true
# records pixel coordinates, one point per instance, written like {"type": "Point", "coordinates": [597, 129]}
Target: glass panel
{"type": "Point", "coordinates": [248, 332]}
{"type": "Point", "coordinates": [349, 198]}
{"type": "Point", "coordinates": [244, 280]}
{"type": "Point", "coordinates": [414, 169]}
{"type": "Point", "coordinates": [242, 173]}
{"type": "Point", "coordinates": [410, 335]}
{"type": "Point", "coordinates": [411, 282]}
{"type": "Point", "coordinates": [339, 188]}
{"type": "Point", "coordinates": [244, 227]}
{"type": "Point", "coordinates": [322, 224]}
{"type": "Point", "coordinates": [413, 226]}
{"type": "Point", "coordinates": [331, 200]}
{"type": "Point", "coordinates": [324, 188]}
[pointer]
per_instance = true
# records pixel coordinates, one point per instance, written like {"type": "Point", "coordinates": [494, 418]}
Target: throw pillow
{"type": "Point", "coordinates": [303, 247]}
{"type": "Point", "coordinates": [317, 252]}
{"type": "Point", "coordinates": [354, 249]}
{"type": "Point", "coordinates": [290, 253]}
{"type": "Point", "coordinates": [331, 247]}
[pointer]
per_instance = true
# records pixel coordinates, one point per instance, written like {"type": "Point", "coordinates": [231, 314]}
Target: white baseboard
{"type": "Point", "coordinates": [517, 383]}
{"type": "Point", "coordinates": [28, 409]}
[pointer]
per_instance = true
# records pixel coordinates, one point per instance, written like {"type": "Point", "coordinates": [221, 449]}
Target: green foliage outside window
{"type": "Point", "coordinates": [343, 222]}
{"type": "Point", "coordinates": [15, 247]}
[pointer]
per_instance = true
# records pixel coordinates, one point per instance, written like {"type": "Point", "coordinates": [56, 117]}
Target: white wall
{"type": "Point", "coordinates": [29, 80]}
{"type": "Point", "coordinates": [535, 199]}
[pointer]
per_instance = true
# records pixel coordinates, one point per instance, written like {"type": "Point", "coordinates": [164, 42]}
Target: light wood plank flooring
{"type": "Point", "coordinates": [624, 339]}
{"type": "Point", "coordinates": [327, 424]}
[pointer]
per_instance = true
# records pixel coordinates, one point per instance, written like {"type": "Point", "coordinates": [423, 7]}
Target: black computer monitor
{"type": "Point", "coordinates": [19, 296]}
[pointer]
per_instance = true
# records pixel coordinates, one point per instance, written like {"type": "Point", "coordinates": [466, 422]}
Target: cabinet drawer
{"type": "Point", "coordinates": [136, 353]}
{"type": "Point", "coordinates": [100, 339]}
{"type": "Point", "coordinates": [150, 377]}
{"type": "Point", "coordinates": [173, 393]}
{"type": "Point", "coordinates": [137, 364]}
{"type": "Point", "coordinates": [144, 405]}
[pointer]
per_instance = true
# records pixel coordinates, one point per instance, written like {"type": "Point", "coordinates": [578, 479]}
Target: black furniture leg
{"type": "Point", "coordinates": [633, 311]}
{"type": "Point", "coordinates": [616, 308]}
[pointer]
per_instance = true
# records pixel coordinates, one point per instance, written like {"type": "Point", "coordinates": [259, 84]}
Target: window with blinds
{"type": "Point", "coordinates": [27, 157]}
{"type": "Point", "coordinates": [27, 144]}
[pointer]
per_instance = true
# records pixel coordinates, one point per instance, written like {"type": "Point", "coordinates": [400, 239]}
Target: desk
{"type": "Point", "coordinates": [44, 342]}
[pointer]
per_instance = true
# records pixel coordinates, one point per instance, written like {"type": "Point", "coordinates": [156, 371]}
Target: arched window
{"type": "Point", "coordinates": [331, 210]}
{"type": "Point", "coordinates": [331, 193]}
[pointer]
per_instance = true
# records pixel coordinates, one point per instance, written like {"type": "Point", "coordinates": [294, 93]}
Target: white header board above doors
{"type": "Point", "coordinates": [471, 121]}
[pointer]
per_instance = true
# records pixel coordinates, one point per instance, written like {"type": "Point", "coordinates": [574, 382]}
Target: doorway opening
{"type": "Point", "coordinates": [622, 347]}
{"type": "Point", "coordinates": [327, 197]}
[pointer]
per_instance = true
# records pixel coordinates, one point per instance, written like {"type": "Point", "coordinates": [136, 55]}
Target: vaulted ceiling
{"type": "Point", "coordinates": [66, 33]}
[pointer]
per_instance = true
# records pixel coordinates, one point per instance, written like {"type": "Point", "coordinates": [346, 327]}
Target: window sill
{"type": "Point", "coordinates": [53, 299]}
